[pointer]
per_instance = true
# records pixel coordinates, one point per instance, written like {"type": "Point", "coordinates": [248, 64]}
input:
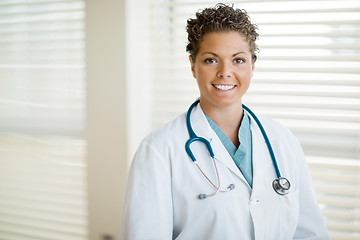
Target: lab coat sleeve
{"type": "Point", "coordinates": [311, 225]}
{"type": "Point", "coordinates": [148, 204]}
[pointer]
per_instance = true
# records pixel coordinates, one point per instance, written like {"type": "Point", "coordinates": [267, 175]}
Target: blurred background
{"type": "Point", "coordinates": [83, 81]}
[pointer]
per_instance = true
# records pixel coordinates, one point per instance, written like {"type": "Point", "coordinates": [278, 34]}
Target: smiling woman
{"type": "Point", "coordinates": [307, 78]}
{"type": "Point", "coordinates": [245, 203]}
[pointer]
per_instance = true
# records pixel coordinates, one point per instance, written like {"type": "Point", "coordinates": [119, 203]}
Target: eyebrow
{"type": "Point", "coordinates": [217, 55]}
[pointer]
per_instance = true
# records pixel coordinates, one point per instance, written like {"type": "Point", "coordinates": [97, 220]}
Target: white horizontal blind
{"type": "Point", "coordinates": [42, 105]}
{"type": "Point", "coordinates": [307, 77]}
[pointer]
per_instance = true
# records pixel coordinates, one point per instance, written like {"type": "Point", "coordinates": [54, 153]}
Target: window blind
{"type": "Point", "coordinates": [42, 146]}
{"type": "Point", "coordinates": [307, 77]}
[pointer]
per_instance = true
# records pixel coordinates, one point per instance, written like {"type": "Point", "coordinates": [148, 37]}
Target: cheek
{"type": "Point", "coordinates": [245, 75]}
{"type": "Point", "coordinates": [200, 81]}
{"type": "Point", "coordinates": [202, 74]}
{"type": "Point", "coordinates": [250, 71]}
{"type": "Point", "coordinates": [244, 78]}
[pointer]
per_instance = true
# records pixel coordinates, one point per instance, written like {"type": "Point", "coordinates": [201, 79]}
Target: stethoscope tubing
{"type": "Point", "coordinates": [193, 136]}
{"type": "Point", "coordinates": [271, 151]}
{"type": "Point", "coordinates": [281, 185]}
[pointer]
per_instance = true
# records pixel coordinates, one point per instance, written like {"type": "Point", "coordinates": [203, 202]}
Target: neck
{"type": "Point", "coordinates": [228, 119]}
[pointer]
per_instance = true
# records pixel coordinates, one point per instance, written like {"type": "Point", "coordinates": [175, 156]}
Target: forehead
{"type": "Point", "coordinates": [223, 42]}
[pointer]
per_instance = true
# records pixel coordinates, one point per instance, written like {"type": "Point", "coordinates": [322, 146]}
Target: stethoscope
{"type": "Point", "coordinates": [281, 185]}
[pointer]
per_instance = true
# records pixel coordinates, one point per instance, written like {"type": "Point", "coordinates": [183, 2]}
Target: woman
{"type": "Point", "coordinates": [169, 197]}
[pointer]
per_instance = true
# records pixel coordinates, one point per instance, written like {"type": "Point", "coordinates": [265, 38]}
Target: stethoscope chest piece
{"type": "Point", "coordinates": [281, 186]}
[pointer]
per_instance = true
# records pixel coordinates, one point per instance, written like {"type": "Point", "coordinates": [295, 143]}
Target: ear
{"type": "Point", "coordinates": [252, 69]}
{"type": "Point", "coordinates": [192, 66]}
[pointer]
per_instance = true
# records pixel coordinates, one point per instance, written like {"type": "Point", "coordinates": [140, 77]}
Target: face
{"type": "Point", "coordinates": [223, 69]}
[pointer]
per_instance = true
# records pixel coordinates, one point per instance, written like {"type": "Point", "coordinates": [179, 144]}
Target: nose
{"type": "Point", "coordinates": [224, 70]}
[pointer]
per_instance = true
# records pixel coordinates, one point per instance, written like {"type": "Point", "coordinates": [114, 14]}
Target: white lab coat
{"type": "Point", "coordinates": [164, 184]}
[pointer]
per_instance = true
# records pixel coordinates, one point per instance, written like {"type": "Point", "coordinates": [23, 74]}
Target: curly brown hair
{"type": "Point", "coordinates": [221, 18]}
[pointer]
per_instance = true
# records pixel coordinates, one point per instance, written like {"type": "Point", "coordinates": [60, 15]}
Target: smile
{"type": "Point", "coordinates": [224, 87]}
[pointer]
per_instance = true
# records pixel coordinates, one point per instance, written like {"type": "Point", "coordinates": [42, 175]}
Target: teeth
{"type": "Point", "coordinates": [224, 87]}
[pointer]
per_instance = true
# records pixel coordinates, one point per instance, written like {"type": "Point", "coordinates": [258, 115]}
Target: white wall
{"type": "Point", "coordinates": [138, 68]}
{"type": "Point", "coordinates": [106, 116]}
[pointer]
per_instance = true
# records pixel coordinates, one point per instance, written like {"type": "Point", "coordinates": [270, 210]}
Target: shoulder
{"type": "Point", "coordinates": [160, 146]}
{"type": "Point", "coordinates": [278, 132]}
{"type": "Point", "coordinates": [167, 138]}
{"type": "Point", "coordinates": [273, 125]}
{"type": "Point", "coordinates": [169, 131]}
{"type": "Point", "coordinates": [285, 144]}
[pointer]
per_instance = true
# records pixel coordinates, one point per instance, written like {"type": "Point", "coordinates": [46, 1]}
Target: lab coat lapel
{"type": "Point", "coordinates": [203, 129]}
{"type": "Point", "coordinates": [263, 176]}
{"type": "Point", "coordinates": [263, 170]}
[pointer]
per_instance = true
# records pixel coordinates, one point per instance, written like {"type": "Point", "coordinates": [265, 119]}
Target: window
{"type": "Point", "coordinates": [42, 98]}
{"type": "Point", "coordinates": [307, 77]}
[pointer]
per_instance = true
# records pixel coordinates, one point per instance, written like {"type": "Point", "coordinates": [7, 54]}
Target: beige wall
{"type": "Point", "coordinates": [106, 115]}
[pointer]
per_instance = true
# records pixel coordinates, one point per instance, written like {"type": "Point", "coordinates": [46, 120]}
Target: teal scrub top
{"type": "Point", "coordinates": [242, 155]}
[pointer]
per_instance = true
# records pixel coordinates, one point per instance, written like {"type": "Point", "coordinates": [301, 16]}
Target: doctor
{"type": "Point", "coordinates": [231, 196]}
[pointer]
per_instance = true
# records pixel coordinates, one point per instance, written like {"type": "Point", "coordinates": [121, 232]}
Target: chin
{"type": "Point", "coordinates": [228, 102]}
{"type": "Point", "coordinates": [220, 102]}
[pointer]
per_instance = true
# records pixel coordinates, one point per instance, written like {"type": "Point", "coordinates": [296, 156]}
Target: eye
{"type": "Point", "coordinates": [239, 60]}
{"type": "Point", "coordinates": [210, 60]}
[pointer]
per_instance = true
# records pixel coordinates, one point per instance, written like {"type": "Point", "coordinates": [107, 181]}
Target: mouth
{"type": "Point", "coordinates": [223, 87]}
